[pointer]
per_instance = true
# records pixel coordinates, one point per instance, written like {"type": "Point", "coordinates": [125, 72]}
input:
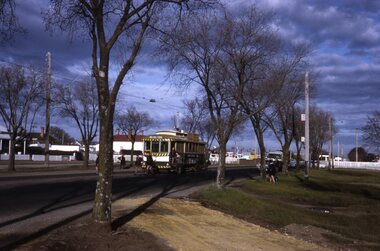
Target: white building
{"type": "Point", "coordinates": [4, 140]}
{"type": "Point", "coordinates": [123, 142]}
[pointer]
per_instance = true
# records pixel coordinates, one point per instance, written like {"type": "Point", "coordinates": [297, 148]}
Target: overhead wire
{"type": "Point", "coordinates": [154, 101]}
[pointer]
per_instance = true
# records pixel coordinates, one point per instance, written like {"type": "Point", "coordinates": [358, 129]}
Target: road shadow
{"type": "Point", "coordinates": [48, 207]}
{"type": "Point", "coordinates": [14, 242]}
{"type": "Point", "coordinates": [24, 239]}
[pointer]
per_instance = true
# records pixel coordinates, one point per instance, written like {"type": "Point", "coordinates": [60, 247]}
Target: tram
{"type": "Point", "coordinates": [190, 151]}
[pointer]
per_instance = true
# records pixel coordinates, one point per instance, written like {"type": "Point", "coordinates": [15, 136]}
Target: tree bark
{"type": "Point", "coordinates": [260, 141]}
{"type": "Point", "coordinates": [285, 158]}
{"type": "Point", "coordinates": [11, 162]}
{"type": "Point", "coordinates": [86, 153]}
{"type": "Point", "coordinates": [221, 166]}
{"type": "Point", "coordinates": [298, 159]}
{"type": "Point", "coordinates": [132, 153]}
{"type": "Point", "coordinates": [103, 194]}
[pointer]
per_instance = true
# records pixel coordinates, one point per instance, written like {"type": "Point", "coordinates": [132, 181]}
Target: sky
{"type": "Point", "coordinates": [345, 38]}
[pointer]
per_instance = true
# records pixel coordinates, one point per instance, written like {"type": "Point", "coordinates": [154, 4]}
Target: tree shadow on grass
{"type": "Point", "coordinates": [336, 187]}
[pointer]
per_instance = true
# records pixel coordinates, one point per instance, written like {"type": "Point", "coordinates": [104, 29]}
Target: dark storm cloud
{"type": "Point", "coordinates": [331, 24]}
{"type": "Point", "coordinates": [345, 36]}
{"type": "Point", "coordinates": [31, 48]}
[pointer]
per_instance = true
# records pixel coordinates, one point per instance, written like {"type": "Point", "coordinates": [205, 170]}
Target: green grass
{"type": "Point", "coordinates": [352, 198]}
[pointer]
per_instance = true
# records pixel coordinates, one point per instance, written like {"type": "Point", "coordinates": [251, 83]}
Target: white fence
{"type": "Point", "coordinates": [358, 165]}
{"type": "Point", "coordinates": [39, 157]}
{"type": "Point", "coordinates": [17, 157]}
{"type": "Point", "coordinates": [229, 160]}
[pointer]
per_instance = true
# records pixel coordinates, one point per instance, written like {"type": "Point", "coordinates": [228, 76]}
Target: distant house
{"type": "Point", "coordinates": [123, 142]}
{"type": "Point", "coordinates": [36, 144]}
{"type": "Point", "coordinates": [36, 139]}
{"type": "Point", "coordinates": [4, 140]}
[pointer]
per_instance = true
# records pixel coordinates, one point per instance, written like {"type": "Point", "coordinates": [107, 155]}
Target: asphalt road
{"type": "Point", "coordinates": [33, 205]}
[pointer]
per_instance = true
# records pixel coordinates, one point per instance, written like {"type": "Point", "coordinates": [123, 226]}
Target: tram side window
{"type": "Point", "coordinates": [155, 146]}
{"type": "Point", "coordinates": [147, 145]}
{"type": "Point", "coordinates": [164, 146]}
{"type": "Point", "coordinates": [179, 147]}
{"type": "Point", "coordinates": [201, 148]}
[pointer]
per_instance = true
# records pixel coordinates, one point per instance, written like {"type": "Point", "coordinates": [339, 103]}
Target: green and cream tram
{"type": "Point", "coordinates": [191, 152]}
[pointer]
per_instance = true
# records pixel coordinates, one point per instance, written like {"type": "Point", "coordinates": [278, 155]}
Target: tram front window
{"type": "Point", "coordinates": [147, 145]}
{"type": "Point", "coordinates": [155, 146]}
{"type": "Point", "coordinates": [164, 146]}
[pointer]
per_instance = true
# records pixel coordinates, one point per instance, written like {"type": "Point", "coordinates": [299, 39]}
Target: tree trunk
{"type": "Point", "coordinates": [298, 159]}
{"type": "Point", "coordinates": [132, 153]}
{"type": "Point", "coordinates": [86, 153]}
{"type": "Point", "coordinates": [103, 195]}
{"type": "Point", "coordinates": [260, 140]}
{"type": "Point", "coordinates": [11, 161]}
{"type": "Point", "coordinates": [101, 212]}
{"type": "Point", "coordinates": [221, 166]}
{"type": "Point", "coordinates": [285, 158]}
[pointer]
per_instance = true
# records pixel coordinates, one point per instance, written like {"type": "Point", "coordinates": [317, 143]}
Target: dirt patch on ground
{"type": "Point", "coordinates": [168, 224]}
{"type": "Point", "coordinates": [187, 225]}
{"type": "Point", "coordinates": [82, 235]}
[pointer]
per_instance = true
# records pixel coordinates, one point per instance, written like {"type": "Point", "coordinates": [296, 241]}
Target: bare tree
{"type": "Point", "coordinates": [60, 136]}
{"type": "Point", "coordinates": [131, 123]}
{"type": "Point", "coordinates": [18, 92]}
{"type": "Point", "coordinates": [252, 60]}
{"type": "Point", "coordinates": [195, 45]}
{"type": "Point", "coordinates": [9, 24]}
{"type": "Point", "coordinates": [360, 152]}
{"type": "Point", "coordinates": [319, 132]}
{"type": "Point", "coordinates": [80, 103]}
{"type": "Point", "coordinates": [298, 133]}
{"type": "Point", "coordinates": [216, 51]}
{"type": "Point", "coordinates": [110, 25]}
{"type": "Point", "coordinates": [197, 120]}
{"type": "Point", "coordinates": [289, 76]}
{"type": "Point", "coordinates": [196, 112]}
{"type": "Point", "coordinates": [371, 131]}
{"type": "Point", "coordinates": [256, 100]}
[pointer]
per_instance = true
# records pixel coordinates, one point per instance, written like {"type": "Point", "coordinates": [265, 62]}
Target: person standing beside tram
{"type": "Point", "coordinates": [172, 156]}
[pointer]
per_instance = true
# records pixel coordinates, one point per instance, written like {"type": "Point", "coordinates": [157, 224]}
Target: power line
{"type": "Point", "coordinates": [59, 75]}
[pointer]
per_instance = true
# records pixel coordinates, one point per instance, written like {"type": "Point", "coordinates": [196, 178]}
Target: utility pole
{"type": "Point", "coordinates": [338, 151]}
{"type": "Point", "coordinates": [307, 137]}
{"type": "Point", "coordinates": [331, 146]}
{"type": "Point", "coordinates": [356, 149]}
{"type": "Point", "coordinates": [48, 100]}
{"type": "Point", "coordinates": [63, 137]}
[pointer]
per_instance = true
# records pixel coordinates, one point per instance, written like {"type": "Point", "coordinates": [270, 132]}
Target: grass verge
{"type": "Point", "coordinates": [346, 202]}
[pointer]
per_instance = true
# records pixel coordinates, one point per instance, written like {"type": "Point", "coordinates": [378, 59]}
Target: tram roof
{"type": "Point", "coordinates": [174, 136]}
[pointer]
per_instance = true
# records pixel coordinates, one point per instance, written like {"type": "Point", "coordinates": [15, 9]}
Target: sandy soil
{"type": "Point", "coordinates": [186, 225]}
{"type": "Point", "coordinates": [166, 224]}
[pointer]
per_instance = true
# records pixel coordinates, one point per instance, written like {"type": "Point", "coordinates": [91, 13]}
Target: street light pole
{"type": "Point", "coordinates": [307, 137]}
{"type": "Point", "coordinates": [48, 101]}
{"type": "Point", "coordinates": [356, 149]}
